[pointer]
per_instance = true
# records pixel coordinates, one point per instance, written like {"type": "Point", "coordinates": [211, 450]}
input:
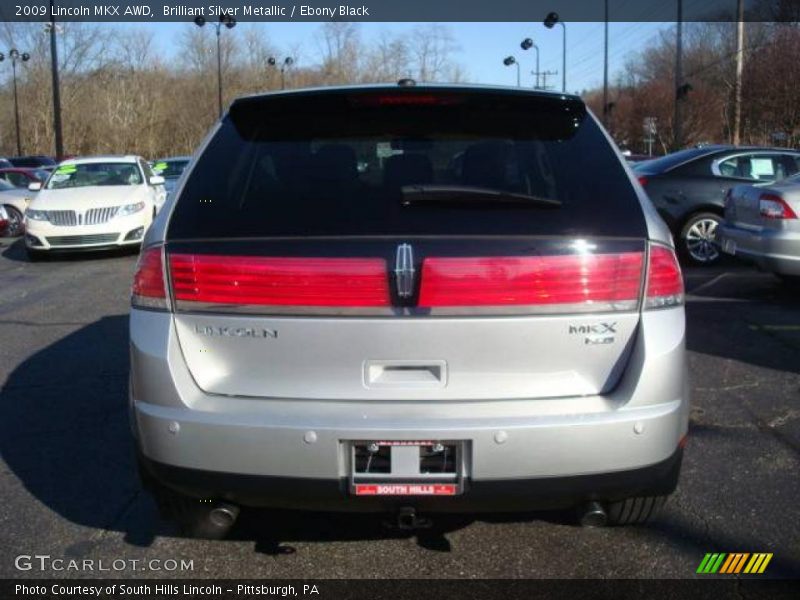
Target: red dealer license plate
{"type": "Point", "coordinates": [405, 489]}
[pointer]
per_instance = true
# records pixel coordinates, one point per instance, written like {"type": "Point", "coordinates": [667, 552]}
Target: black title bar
{"type": "Point", "coordinates": [396, 10]}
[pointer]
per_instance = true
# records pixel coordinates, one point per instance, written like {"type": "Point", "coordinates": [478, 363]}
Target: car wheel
{"type": "Point", "coordinates": [635, 511]}
{"type": "Point", "coordinates": [698, 239]}
{"type": "Point", "coordinates": [16, 225]}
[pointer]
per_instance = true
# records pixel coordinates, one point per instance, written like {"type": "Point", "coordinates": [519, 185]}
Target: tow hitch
{"type": "Point", "coordinates": [408, 520]}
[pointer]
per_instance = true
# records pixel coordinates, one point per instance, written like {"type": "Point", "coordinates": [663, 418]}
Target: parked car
{"type": "Point", "coordinates": [762, 226]}
{"type": "Point", "coordinates": [5, 163]}
{"type": "Point", "coordinates": [508, 334]}
{"type": "Point", "coordinates": [93, 203]}
{"type": "Point", "coordinates": [33, 162]}
{"type": "Point", "coordinates": [15, 201]}
{"type": "Point", "coordinates": [22, 177]}
{"type": "Point", "coordinates": [3, 220]}
{"type": "Point", "coordinates": [170, 169]}
{"type": "Point", "coordinates": [688, 189]}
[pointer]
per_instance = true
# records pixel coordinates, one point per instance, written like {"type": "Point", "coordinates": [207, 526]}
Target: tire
{"type": "Point", "coordinates": [697, 239]}
{"type": "Point", "coordinates": [635, 511]}
{"type": "Point", "coordinates": [16, 221]}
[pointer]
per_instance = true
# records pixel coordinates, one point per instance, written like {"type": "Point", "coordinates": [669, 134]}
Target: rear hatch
{"type": "Point", "coordinates": [407, 243]}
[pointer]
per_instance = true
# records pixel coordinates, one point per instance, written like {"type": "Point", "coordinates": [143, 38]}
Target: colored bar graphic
{"type": "Point", "coordinates": [711, 563]}
{"type": "Point", "coordinates": [758, 563]}
{"type": "Point", "coordinates": [734, 563]}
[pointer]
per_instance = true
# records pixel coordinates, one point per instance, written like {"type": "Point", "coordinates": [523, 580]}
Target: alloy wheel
{"type": "Point", "coordinates": [15, 222]}
{"type": "Point", "coordinates": [701, 240]}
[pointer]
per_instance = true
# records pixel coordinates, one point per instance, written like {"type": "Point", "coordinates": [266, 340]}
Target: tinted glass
{"type": "Point", "coordinates": [342, 164]}
{"type": "Point", "coordinates": [670, 161]}
{"type": "Point", "coordinates": [94, 174]}
{"type": "Point", "coordinates": [170, 169]}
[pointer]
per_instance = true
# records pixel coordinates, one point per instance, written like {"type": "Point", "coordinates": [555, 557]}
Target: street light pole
{"type": "Point", "coordinates": [527, 44]}
{"type": "Point", "coordinates": [15, 55]}
{"type": "Point", "coordinates": [57, 134]}
{"type": "Point", "coordinates": [229, 22]}
{"type": "Point", "coordinates": [219, 73]}
{"type": "Point", "coordinates": [605, 68]}
{"type": "Point", "coordinates": [510, 60]}
{"type": "Point", "coordinates": [550, 21]}
{"type": "Point", "coordinates": [676, 119]}
{"type": "Point", "coordinates": [737, 94]}
{"type": "Point", "coordinates": [285, 64]}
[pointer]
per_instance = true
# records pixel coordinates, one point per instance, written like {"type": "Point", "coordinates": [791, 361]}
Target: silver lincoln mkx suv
{"type": "Point", "coordinates": [408, 298]}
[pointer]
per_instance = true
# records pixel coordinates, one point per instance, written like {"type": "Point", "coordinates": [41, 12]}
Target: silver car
{"type": "Point", "coordinates": [762, 226]}
{"type": "Point", "coordinates": [489, 317]}
{"type": "Point", "coordinates": [170, 169]}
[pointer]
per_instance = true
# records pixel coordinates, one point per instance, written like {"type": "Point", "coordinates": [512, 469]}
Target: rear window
{"type": "Point", "coordinates": [170, 169]}
{"type": "Point", "coordinates": [670, 161]}
{"type": "Point", "coordinates": [345, 163]}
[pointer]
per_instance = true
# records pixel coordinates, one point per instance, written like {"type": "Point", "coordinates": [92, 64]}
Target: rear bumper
{"type": "Point", "coordinates": [481, 495]}
{"type": "Point", "coordinates": [777, 251]}
{"type": "Point", "coordinates": [542, 463]}
{"type": "Point", "coordinates": [523, 453]}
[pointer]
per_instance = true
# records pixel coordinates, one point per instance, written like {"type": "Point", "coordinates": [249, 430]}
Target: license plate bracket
{"type": "Point", "coordinates": [406, 467]}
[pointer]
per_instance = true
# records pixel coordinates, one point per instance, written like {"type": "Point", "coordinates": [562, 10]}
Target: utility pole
{"type": "Point", "coordinates": [59, 140]}
{"type": "Point", "coordinates": [676, 119]}
{"type": "Point", "coordinates": [544, 75]}
{"type": "Point", "coordinates": [737, 86]}
{"type": "Point", "coordinates": [605, 68]}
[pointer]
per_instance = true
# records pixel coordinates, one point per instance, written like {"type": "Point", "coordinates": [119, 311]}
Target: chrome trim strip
{"type": "Point", "coordinates": [188, 306]}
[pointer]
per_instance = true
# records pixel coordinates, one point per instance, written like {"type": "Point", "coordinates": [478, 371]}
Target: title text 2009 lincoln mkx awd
{"type": "Point", "coordinates": [413, 299]}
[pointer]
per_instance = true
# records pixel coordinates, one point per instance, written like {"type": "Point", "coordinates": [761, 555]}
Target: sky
{"type": "Point", "coordinates": [482, 47]}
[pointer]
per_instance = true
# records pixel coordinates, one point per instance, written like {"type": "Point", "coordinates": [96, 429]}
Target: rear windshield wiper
{"type": "Point", "coordinates": [465, 194]}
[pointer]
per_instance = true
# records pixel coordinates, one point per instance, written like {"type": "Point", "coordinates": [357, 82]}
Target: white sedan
{"type": "Point", "coordinates": [93, 203]}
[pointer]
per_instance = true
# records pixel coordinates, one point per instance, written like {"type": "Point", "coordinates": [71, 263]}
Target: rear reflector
{"type": "Point", "coordinates": [592, 281]}
{"type": "Point", "coordinates": [774, 207]}
{"type": "Point", "coordinates": [148, 289]}
{"type": "Point", "coordinates": [268, 281]}
{"type": "Point", "coordinates": [664, 280]}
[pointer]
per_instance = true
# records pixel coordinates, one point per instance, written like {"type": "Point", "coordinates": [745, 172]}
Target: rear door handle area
{"type": "Point", "coordinates": [405, 374]}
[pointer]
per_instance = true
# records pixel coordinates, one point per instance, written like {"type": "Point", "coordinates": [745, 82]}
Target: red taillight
{"type": "Point", "coordinates": [664, 280]}
{"type": "Point", "coordinates": [148, 289]}
{"type": "Point", "coordinates": [268, 281]}
{"type": "Point", "coordinates": [592, 280]}
{"type": "Point", "coordinates": [774, 207]}
{"type": "Point", "coordinates": [642, 180]}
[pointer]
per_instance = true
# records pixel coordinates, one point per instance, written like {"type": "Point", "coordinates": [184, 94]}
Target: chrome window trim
{"type": "Point", "coordinates": [717, 161]}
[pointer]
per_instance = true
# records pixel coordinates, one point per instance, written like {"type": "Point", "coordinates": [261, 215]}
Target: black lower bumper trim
{"type": "Point", "coordinates": [483, 495]}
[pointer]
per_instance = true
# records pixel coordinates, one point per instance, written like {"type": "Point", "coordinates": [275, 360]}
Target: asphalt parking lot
{"type": "Point", "coordinates": [68, 487]}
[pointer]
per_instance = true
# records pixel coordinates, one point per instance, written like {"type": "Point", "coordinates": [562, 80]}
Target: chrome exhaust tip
{"type": "Point", "coordinates": [593, 515]}
{"type": "Point", "coordinates": [224, 515]}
